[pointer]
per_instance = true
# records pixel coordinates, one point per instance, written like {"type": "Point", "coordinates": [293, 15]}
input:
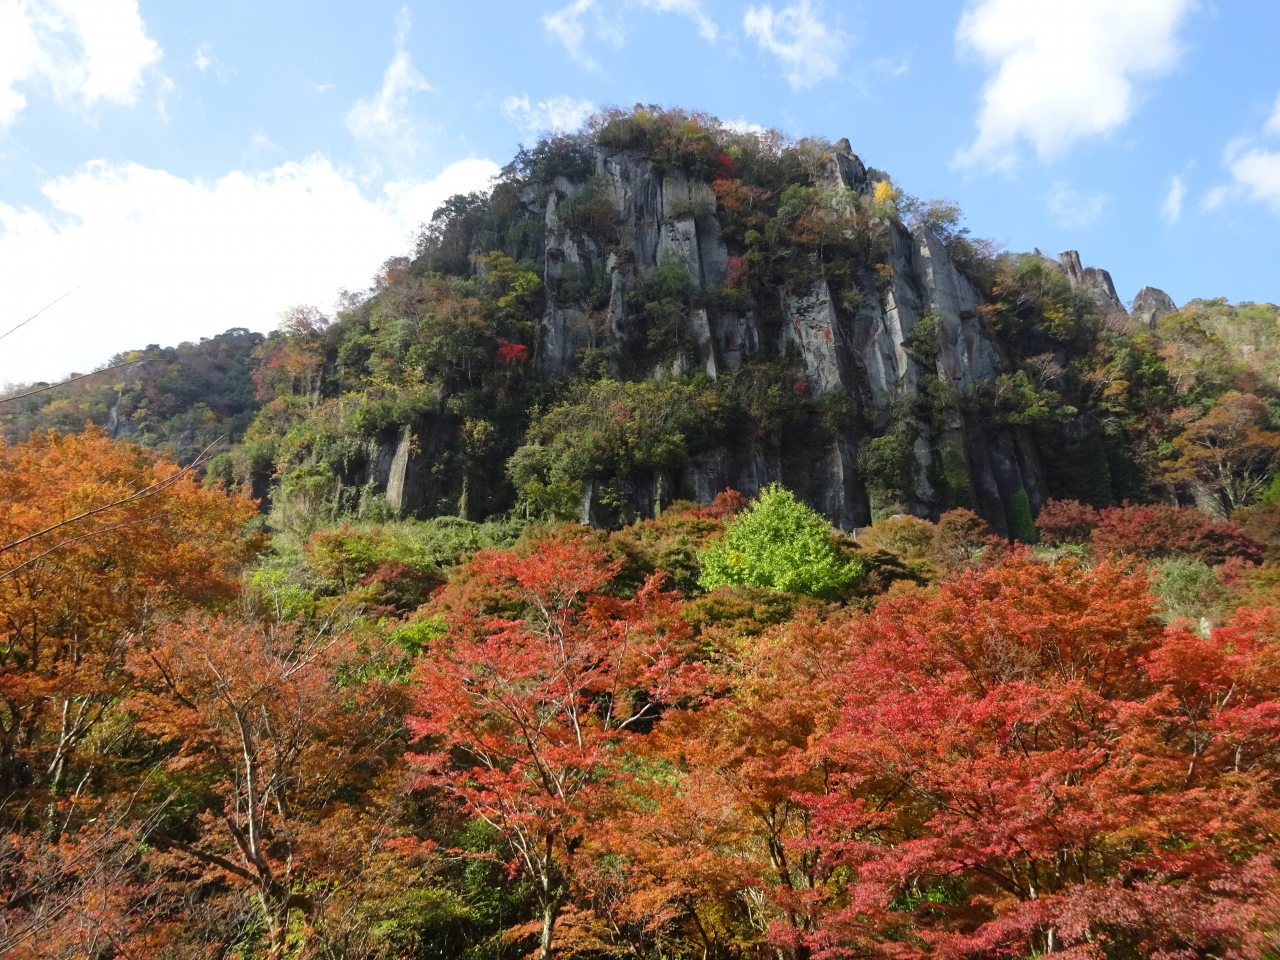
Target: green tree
{"type": "Point", "coordinates": [781, 544]}
{"type": "Point", "coordinates": [1021, 527]}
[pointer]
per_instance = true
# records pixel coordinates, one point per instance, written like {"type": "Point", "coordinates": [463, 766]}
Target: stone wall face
{"type": "Point", "coordinates": [862, 352]}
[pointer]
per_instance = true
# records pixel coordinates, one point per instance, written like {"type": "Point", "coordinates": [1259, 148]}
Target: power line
{"type": "Point", "coordinates": [54, 386]}
{"type": "Point", "coordinates": [40, 311]}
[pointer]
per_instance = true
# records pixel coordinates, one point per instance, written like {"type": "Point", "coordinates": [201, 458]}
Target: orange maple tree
{"type": "Point", "coordinates": [98, 540]}
{"type": "Point", "coordinates": [1230, 450]}
{"type": "Point", "coordinates": [285, 731]}
{"type": "Point", "coordinates": [718, 811]}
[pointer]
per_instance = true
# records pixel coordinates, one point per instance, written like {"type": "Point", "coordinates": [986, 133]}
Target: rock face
{"type": "Point", "coordinates": [845, 169]}
{"type": "Point", "coordinates": [119, 426]}
{"type": "Point", "coordinates": [659, 216]}
{"type": "Point", "coordinates": [856, 345]}
{"type": "Point", "coordinates": [1150, 305]}
{"type": "Point", "coordinates": [1092, 281]}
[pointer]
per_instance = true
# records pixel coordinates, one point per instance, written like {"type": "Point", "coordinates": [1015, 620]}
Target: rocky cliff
{"type": "Point", "coordinates": [663, 307]}
{"type": "Point", "coordinates": [862, 345]}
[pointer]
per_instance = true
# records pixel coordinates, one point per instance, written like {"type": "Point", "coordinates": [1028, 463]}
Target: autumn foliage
{"type": "Point", "coordinates": [262, 720]}
{"type": "Point", "coordinates": [99, 543]}
{"type": "Point", "coordinates": [1160, 530]}
{"type": "Point", "coordinates": [511, 353]}
{"type": "Point", "coordinates": [541, 677]}
{"type": "Point", "coordinates": [1066, 521]}
{"type": "Point", "coordinates": [984, 752]}
{"type": "Point", "coordinates": [98, 540]}
{"type": "Point", "coordinates": [1028, 764]}
{"type": "Point", "coordinates": [434, 715]}
{"type": "Point", "coordinates": [1230, 450]}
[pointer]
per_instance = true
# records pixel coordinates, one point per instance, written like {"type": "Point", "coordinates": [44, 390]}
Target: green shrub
{"type": "Point", "coordinates": [781, 544]}
{"type": "Point", "coordinates": [954, 479]}
{"type": "Point", "coordinates": [272, 591]}
{"type": "Point", "coordinates": [1272, 494]}
{"type": "Point", "coordinates": [885, 464]}
{"type": "Point", "coordinates": [1021, 527]}
{"type": "Point", "coordinates": [922, 342]}
{"type": "Point", "coordinates": [660, 307]}
{"type": "Point", "coordinates": [1188, 587]}
{"type": "Point", "coordinates": [606, 432]}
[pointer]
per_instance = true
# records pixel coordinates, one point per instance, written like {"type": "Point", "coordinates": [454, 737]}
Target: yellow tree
{"type": "Point", "coordinates": [1228, 450]}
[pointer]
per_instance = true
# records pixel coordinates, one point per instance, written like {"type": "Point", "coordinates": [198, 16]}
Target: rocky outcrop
{"type": "Point", "coordinates": [119, 425]}
{"type": "Point", "coordinates": [398, 470]}
{"type": "Point", "coordinates": [659, 216]}
{"type": "Point", "coordinates": [1150, 305]}
{"type": "Point", "coordinates": [812, 328]}
{"type": "Point", "coordinates": [855, 344]}
{"type": "Point", "coordinates": [844, 169]}
{"type": "Point", "coordinates": [967, 353]}
{"type": "Point", "coordinates": [402, 468]}
{"type": "Point", "coordinates": [1094, 282]}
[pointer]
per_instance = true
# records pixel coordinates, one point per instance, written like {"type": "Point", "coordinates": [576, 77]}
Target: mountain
{"type": "Point", "coordinates": [182, 399]}
{"type": "Point", "coordinates": [662, 307]}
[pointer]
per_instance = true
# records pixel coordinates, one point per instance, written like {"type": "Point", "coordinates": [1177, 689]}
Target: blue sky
{"type": "Point", "coordinates": [183, 168]}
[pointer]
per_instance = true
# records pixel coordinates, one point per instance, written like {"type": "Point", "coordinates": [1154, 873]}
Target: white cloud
{"type": "Point", "coordinates": [1273, 122]}
{"type": "Point", "coordinates": [206, 62]}
{"type": "Point", "coordinates": [163, 89]}
{"type": "Point", "coordinates": [1255, 170]}
{"type": "Point", "coordinates": [164, 259]}
{"type": "Point", "coordinates": [741, 126]}
{"type": "Point", "coordinates": [1071, 208]}
{"type": "Point", "coordinates": [1172, 208]}
{"type": "Point", "coordinates": [386, 116]}
{"type": "Point", "coordinates": [692, 9]}
{"type": "Point", "coordinates": [567, 27]}
{"type": "Point", "coordinates": [1215, 198]}
{"type": "Point", "coordinates": [810, 51]}
{"type": "Point", "coordinates": [557, 115]}
{"type": "Point", "coordinates": [86, 51]}
{"type": "Point", "coordinates": [1063, 71]}
{"type": "Point", "coordinates": [582, 20]}
{"type": "Point", "coordinates": [892, 68]}
{"type": "Point", "coordinates": [1258, 172]}
{"type": "Point", "coordinates": [412, 202]}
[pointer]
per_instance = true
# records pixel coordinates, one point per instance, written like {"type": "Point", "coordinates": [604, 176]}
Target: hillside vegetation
{"type": "Point", "coordinates": [179, 399]}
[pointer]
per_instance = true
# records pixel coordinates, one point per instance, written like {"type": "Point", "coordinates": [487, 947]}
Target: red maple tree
{"type": "Point", "coordinates": [523, 708]}
{"type": "Point", "coordinates": [1029, 764]}
{"type": "Point", "coordinates": [1155, 530]}
{"type": "Point", "coordinates": [511, 353]}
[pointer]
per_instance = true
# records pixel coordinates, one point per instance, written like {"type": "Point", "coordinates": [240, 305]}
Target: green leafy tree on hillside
{"type": "Point", "coordinates": [781, 544]}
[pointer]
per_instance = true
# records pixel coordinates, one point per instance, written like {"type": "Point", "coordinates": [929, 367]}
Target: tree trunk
{"type": "Point", "coordinates": [277, 926]}
{"type": "Point", "coordinates": [549, 911]}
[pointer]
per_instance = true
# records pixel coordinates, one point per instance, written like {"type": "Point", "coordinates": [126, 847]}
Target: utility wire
{"type": "Point", "coordinates": [54, 386]}
{"type": "Point", "coordinates": [40, 311]}
{"type": "Point", "coordinates": [137, 495]}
